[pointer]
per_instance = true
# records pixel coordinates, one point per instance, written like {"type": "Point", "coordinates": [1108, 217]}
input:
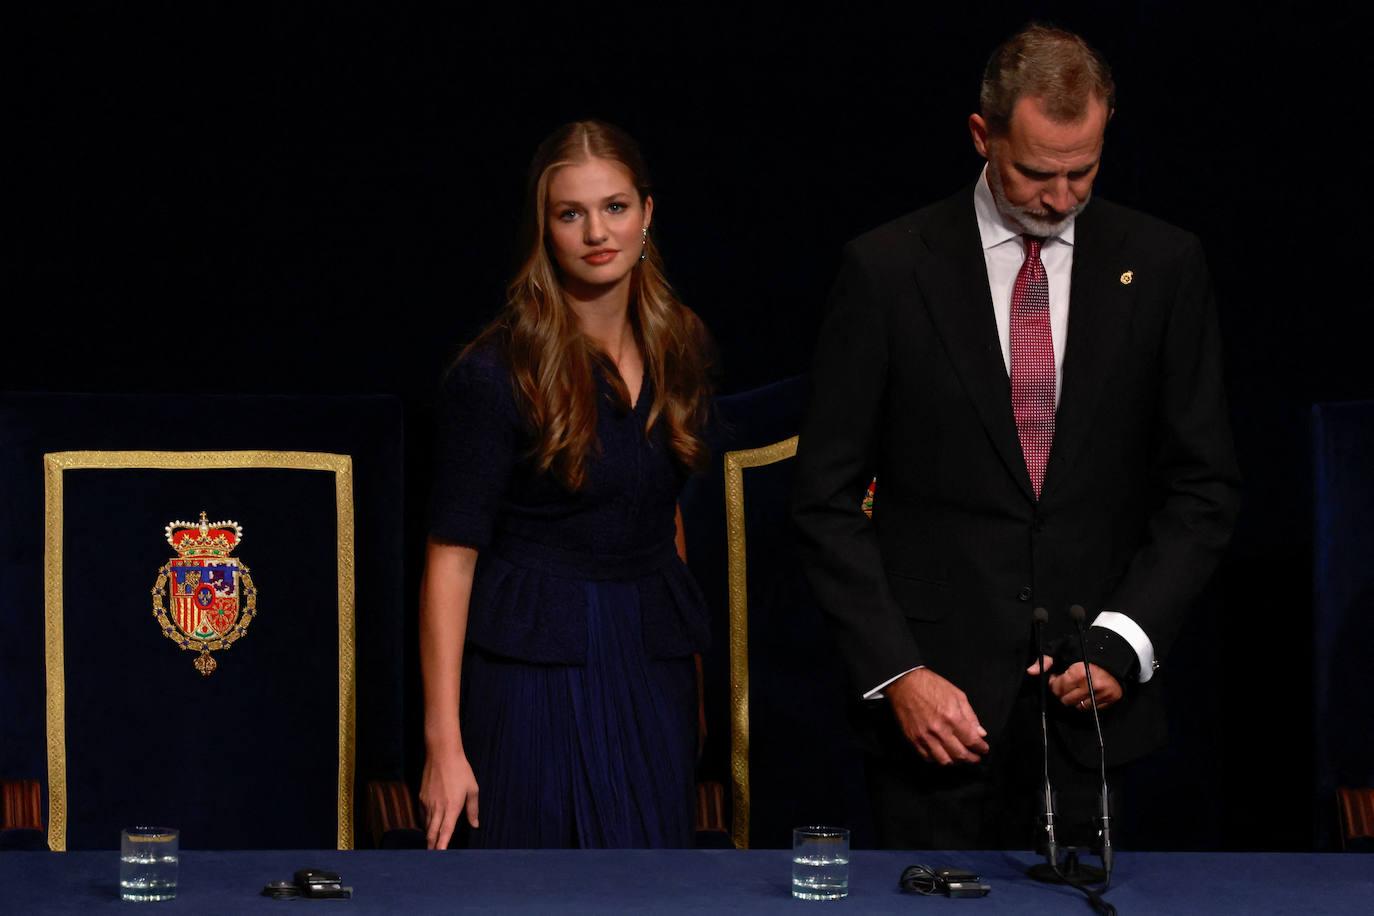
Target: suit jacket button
{"type": "Point", "coordinates": [1025, 593]}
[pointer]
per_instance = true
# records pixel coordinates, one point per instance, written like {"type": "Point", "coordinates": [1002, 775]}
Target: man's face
{"type": "Point", "coordinates": [1041, 171]}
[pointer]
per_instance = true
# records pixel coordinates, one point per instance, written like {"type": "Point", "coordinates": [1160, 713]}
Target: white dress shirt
{"type": "Point", "coordinates": [1004, 252]}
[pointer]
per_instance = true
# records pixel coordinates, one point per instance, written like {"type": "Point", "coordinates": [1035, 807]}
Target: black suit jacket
{"type": "Point", "coordinates": [1139, 496]}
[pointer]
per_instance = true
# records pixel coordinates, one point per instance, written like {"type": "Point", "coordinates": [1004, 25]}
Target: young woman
{"type": "Point", "coordinates": [553, 590]}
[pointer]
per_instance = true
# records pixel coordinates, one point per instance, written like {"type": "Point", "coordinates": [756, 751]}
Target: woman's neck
{"type": "Point", "coordinates": [604, 318]}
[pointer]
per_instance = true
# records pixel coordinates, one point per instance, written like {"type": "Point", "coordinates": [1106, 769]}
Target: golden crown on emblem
{"type": "Point", "coordinates": [204, 538]}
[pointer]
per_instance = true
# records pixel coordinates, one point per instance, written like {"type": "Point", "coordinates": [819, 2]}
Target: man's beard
{"type": "Point", "coordinates": [1031, 222]}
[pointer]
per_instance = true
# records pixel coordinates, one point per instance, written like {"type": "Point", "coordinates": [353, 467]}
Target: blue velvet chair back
{"type": "Point", "coordinates": [1343, 603]}
{"type": "Point", "coordinates": [101, 702]}
{"type": "Point", "coordinates": [801, 766]}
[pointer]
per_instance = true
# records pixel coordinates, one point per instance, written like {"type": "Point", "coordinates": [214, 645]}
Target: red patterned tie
{"type": "Point", "coordinates": [1032, 363]}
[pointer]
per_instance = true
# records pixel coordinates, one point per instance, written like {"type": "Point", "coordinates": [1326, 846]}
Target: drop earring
{"type": "Point", "coordinates": [644, 243]}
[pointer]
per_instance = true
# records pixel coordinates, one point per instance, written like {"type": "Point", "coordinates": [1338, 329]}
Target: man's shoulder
{"type": "Point", "coordinates": [1140, 228]}
{"type": "Point", "coordinates": [904, 234]}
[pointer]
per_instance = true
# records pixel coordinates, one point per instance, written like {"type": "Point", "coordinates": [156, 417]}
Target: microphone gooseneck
{"type": "Point", "coordinates": [1068, 872]}
{"type": "Point", "coordinates": [1077, 614]}
{"type": "Point", "coordinates": [1041, 617]}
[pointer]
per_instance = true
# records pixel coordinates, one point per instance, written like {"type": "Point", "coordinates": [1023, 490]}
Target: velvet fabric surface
{"type": "Point", "coordinates": [688, 881]}
{"type": "Point", "coordinates": [804, 767]}
{"type": "Point", "coordinates": [248, 756]}
{"type": "Point", "coordinates": [1342, 603]}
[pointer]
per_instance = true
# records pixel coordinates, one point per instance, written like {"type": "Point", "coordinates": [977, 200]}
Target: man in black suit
{"type": "Point", "coordinates": [1035, 381]}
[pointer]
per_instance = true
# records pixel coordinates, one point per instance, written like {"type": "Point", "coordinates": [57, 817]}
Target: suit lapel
{"type": "Point", "coordinates": [953, 278]}
{"type": "Point", "coordinates": [1099, 318]}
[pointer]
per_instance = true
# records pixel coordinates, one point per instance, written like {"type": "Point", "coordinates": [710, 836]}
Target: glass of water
{"type": "Point", "coordinates": [820, 863]}
{"type": "Point", "coordinates": [148, 863]}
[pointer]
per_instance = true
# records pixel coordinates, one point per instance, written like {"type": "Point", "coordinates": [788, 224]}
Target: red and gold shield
{"type": "Point", "coordinates": [202, 588]}
{"type": "Point", "coordinates": [204, 595]}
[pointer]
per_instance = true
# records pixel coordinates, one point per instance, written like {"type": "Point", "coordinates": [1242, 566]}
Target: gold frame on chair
{"type": "Point", "coordinates": [54, 466]}
{"type": "Point", "coordinates": [735, 463]}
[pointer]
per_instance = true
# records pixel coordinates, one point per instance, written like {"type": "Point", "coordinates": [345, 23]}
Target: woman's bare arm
{"type": "Point", "coordinates": [448, 787]}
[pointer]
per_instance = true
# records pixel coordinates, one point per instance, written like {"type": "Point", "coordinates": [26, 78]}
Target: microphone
{"type": "Point", "coordinates": [1070, 873]}
{"type": "Point", "coordinates": [1042, 617]}
{"type": "Point", "coordinates": [1078, 615]}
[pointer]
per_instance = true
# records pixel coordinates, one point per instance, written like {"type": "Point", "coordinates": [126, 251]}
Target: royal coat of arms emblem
{"type": "Point", "coordinates": [204, 599]}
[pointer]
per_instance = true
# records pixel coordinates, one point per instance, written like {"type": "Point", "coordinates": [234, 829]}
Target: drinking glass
{"type": "Point", "coordinates": [148, 863]}
{"type": "Point", "coordinates": [820, 863]}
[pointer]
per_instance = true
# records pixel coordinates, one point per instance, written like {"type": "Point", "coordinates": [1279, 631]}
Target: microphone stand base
{"type": "Point", "coordinates": [1071, 871]}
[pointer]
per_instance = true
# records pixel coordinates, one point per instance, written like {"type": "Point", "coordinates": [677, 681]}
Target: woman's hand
{"type": "Point", "coordinates": [447, 789]}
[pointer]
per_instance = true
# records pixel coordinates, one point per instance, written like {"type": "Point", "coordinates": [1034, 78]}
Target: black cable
{"type": "Point", "coordinates": [1094, 895]}
{"type": "Point", "coordinates": [952, 882]}
{"type": "Point", "coordinates": [920, 879]}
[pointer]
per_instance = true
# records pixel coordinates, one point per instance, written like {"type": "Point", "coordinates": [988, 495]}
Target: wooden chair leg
{"type": "Point", "coordinates": [710, 815]}
{"type": "Point", "coordinates": [21, 804]}
{"type": "Point", "coordinates": [1355, 813]}
{"type": "Point", "coordinates": [391, 818]}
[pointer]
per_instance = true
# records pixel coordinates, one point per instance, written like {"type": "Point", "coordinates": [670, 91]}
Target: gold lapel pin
{"type": "Point", "coordinates": [1127, 277]}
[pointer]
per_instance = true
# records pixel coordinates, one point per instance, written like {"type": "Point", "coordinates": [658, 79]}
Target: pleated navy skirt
{"type": "Point", "coordinates": [600, 755]}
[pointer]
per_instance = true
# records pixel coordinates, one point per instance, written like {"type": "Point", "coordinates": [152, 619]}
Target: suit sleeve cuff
{"type": "Point", "coordinates": [1130, 631]}
{"type": "Point", "coordinates": [877, 692]}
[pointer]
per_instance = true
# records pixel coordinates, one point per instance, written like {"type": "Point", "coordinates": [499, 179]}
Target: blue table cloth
{"type": "Point", "coordinates": [684, 881]}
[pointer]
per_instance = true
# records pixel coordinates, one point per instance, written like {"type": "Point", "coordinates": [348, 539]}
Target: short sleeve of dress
{"type": "Point", "coordinates": [475, 450]}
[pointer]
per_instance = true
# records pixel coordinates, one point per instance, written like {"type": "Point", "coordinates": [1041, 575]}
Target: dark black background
{"type": "Point", "coordinates": [322, 198]}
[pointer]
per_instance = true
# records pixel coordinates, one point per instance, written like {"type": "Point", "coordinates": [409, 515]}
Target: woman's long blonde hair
{"type": "Point", "coordinates": [552, 363]}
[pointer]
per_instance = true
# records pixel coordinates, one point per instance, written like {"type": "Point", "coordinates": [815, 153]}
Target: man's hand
{"type": "Point", "coordinates": [936, 718]}
{"type": "Point", "coordinates": [1071, 687]}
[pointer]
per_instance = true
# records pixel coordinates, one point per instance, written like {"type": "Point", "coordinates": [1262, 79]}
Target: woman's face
{"type": "Point", "coordinates": [596, 223]}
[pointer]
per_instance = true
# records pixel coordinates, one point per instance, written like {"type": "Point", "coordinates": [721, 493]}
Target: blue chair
{"type": "Point", "coordinates": [778, 733]}
{"type": "Point", "coordinates": [1342, 602]}
{"type": "Point", "coordinates": [261, 534]}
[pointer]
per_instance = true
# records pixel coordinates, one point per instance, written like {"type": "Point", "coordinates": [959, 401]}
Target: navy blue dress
{"type": "Point", "coordinates": [579, 691]}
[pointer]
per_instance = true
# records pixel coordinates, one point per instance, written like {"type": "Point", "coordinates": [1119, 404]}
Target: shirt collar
{"type": "Point", "coordinates": [994, 228]}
